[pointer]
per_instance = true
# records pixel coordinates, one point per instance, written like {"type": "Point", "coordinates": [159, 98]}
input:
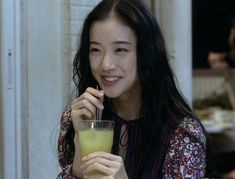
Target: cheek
{"type": "Point", "coordinates": [133, 69]}
{"type": "Point", "coordinates": [132, 65]}
{"type": "Point", "coordinates": [93, 63]}
{"type": "Point", "coordinates": [94, 66]}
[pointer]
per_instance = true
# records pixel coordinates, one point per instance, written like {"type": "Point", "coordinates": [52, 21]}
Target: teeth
{"type": "Point", "coordinates": [111, 78]}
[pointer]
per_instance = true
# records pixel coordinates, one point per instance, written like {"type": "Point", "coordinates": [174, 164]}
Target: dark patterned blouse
{"type": "Point", "coordinates": [184, 158]}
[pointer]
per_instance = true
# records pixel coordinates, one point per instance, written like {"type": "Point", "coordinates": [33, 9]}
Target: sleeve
{"type": "Point", "coordinates": [66, 173]}
{"type": "Point", "coordinates": [65, 155]}
{"type": "Point", "coordinates": [186, 156]}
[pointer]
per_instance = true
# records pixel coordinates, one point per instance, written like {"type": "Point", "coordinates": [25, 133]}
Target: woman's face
{"type": "Point", "coordinates": [113, 57]}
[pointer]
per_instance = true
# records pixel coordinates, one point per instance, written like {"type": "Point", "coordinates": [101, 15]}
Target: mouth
{"type": "Point", "coordinates": [110, 80]}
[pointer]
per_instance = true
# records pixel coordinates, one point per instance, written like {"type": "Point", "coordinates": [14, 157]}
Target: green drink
{"type": "Point", "coordinates": [95, 136]}
{"type": "Point", "coordinates": [94, 140]}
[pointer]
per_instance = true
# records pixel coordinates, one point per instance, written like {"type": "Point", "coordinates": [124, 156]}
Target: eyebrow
{"type": "Point", "coordinates": [121, 42]}
{"type": "Point", "coordinates": [94, 42]}
{"type": "Point", "coordinates": [115, 42]}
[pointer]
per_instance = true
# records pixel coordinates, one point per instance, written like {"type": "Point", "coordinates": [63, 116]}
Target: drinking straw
{"type": "Point", "coordinates": [97, 110]}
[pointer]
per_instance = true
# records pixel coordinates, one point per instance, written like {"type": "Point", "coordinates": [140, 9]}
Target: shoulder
{"type": "Point", "coordinates": [186, 153]}
{"type": "Point", "coordinates": [189, 134]}
{"type": "Point", "coordinates": [190, 128]}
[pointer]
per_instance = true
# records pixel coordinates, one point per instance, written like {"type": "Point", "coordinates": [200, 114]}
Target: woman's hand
{"type": "Point", "coordinates": [111, 165]}
{"type": "Point", "coordinates": [84, 107]}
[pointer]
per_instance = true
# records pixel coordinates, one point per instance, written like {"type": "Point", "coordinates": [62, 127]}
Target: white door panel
{"type": "Point", "coordinates": [10, 101]}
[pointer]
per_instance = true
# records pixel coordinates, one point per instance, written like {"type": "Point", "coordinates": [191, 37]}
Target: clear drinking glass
{"type": "Point", "coordinates": [94, 136]}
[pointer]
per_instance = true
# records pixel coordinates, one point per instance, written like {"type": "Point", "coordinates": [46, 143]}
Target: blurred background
{"type": "Point", "coordinates": [38, 40]}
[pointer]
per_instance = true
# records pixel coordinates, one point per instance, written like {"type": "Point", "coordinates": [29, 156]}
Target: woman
{"type": "Point", "coordinates": [156, 133]}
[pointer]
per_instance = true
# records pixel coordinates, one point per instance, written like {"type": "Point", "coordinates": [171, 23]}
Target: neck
{"type": "Point", "coordinates": [128, 108]}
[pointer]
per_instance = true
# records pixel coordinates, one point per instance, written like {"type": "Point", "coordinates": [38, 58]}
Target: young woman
{"type": "Point", "coordinates": [156, 133]}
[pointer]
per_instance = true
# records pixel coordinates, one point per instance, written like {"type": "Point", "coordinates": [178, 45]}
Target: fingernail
{"type": "Point", "coordinates": [101, 106]}
{"type": "Point", "coordinates": [101, 92]}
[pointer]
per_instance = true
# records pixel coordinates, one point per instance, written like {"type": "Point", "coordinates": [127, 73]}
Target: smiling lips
{"type": "Point", "coordinates": [110, 80]}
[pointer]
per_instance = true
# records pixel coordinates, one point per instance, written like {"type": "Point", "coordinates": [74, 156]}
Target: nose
{"type": "Point", "coordinates": [108, 63]}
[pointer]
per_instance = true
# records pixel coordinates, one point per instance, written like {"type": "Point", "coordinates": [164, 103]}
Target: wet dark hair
{"type": "Point", "coordinates": [162, 105]}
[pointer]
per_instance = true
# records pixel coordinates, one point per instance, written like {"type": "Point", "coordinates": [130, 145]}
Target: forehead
{"type": "Point", "coordinates": [112, 28]}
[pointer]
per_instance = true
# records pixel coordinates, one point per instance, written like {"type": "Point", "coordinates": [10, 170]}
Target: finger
{"type": "Point", "coordinates": [81, 114]}
{"type": "Point", "coordinates": [99, 167]}
{"type": "Point", "coordinates": [103, 161]}
{"type": "Point", "coordinates": [103, 155]}
{"type": "Point", "coordinates": [97, 93]}
{"type": "Point", "coordinates": [94, 92]}
{"type": "Point", "coordinates": [84, 104]}
{"type": "Point", "coordinates": [95, 100]}
{"type": "Point", "coordinates": [74, 101]}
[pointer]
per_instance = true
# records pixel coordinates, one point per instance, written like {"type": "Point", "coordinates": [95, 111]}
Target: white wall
{"type": "Point", "coordinates": [46, 85]}
{"type": "Point", "coordinates": [10, 89]}
{"type": "Point", "coordinates": [1, 132]}
{"type": "Point", "coordinates": [175, 20]}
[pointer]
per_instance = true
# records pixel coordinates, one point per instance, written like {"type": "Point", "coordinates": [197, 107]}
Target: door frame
{"type": "Point", "coordinates": [12, 105]}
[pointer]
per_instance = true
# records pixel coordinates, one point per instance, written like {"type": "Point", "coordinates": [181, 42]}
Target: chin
{"type": "Point", "coordinates": [111, 94]}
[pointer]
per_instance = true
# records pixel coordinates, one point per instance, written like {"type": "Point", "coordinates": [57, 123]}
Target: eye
{"type": "Point", "coordinates": [121, 50]}
{"type": "Point", "coordinates": [95, 51]}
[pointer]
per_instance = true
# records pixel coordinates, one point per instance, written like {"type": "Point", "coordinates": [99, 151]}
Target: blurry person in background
{"type": "Point", "coordinates": [232, 41]}
{"type": "Point", "coordinates": [230, 175]}
{"type": "Point", "coordinates": [220, 60]}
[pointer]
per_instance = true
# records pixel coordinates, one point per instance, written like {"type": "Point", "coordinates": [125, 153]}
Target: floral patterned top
{"type": "Point", "coordinates": [185, 157]}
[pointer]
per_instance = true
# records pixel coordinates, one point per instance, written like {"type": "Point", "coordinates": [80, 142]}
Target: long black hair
{"type": "Point", "coordinates": [162, 105]}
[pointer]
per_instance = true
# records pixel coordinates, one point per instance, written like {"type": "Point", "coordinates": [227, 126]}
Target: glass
{"type": "Point", "coordinates": [95, 136]}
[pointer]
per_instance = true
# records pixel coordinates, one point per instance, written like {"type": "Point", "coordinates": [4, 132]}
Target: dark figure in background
{"type": "Point", "coordinates": [225, 60]}
{"type": "Point", "coordinates": [220, 60]}
{"type": "Point", "coordinates": [211, 20]}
